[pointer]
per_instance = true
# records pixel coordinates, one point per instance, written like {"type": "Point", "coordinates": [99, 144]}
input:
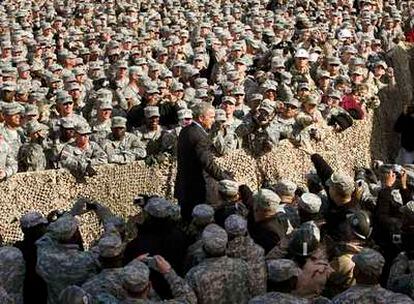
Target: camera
{"type": "Point", "coordinates": [396, 239]}
{"type": "Point", "coordinates": [151, 262]}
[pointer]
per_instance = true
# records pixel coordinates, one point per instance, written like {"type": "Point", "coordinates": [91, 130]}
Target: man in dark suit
{"type": "Point", "coordinates": [194, 158]}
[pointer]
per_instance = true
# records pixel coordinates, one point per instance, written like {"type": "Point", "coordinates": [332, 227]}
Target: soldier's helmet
{"type": "Point", "coordinates": [360, 224]}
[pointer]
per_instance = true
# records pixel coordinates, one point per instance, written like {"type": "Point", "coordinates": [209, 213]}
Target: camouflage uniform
{"type": "Point", "coordinates": [12, 271]}
{"type": "Point", "coordinates": [31, 157]}
{"type": "Point", "coordinates": [242, 246]}
{"type": "Point", "coordinates": [60, 264]}
{"type": "Point", "coordinates": [4, 297]}
{"type": "Point", "coordinates": [7, 162]}
{"type": "Point", "coordinates": [369, 262]}
{"type": "Point", "coordinates": [100, 131]}
{"type": "Point", "coordinates": [14, 138]}
{"type": "Point", "coordinates": [77, 160]}
{"type": "Point", "coordinates": [370, 294]}
{"type": "Point", "coordinates": [123, 151]}
{"type": "Point", "coordinates": [278, 297]}
{"type": "Point", "coordinates": [401, 275]}
{"type": "Point", "coordinates": [136, 278]}
{"type": "Point", "coordinates": [219, 279]}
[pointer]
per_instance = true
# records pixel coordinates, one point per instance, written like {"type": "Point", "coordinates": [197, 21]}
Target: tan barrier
{"type": "Point", "coordinates": [115, 186]}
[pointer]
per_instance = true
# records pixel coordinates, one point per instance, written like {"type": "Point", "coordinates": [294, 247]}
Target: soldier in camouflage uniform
{"type": "Point", "coordinates": [8, 164]}
{"type": "Point", "coordinates": [367, 271]}
{"type": "Point", "coordinates": [202, 216]}
{"type": "Point", "coordinates": [282, 275]}
{"type": "Point", "coordinates": [11, 131]}
{"type": "Point", "coordinates": [229, 202]}
{"type": "Point", "coordinates": [123, 147]}
{"type": "Point", "coordinates": [242, 246]}
{"type": "Point", "coordinates": [258, 134]}
{"type": "Point", "coordinates": [222, 135]}
{"type": "Point", "coordinates": [109, 279]}
{"type": "Point", "coordinates": [215, 280]}
{"type": "Point", "coordinates": [101, 127]}
{"type": "Point", "coordinates": [12, 272]}
{"type": "Point", "coordinates": [31, 156]}
{"type": "Point", "coordinates": [60, 262]}
{"type": "Point", "coordinates": [135, 280]}
{"type": "Point", "coordinates": [82, 155]}
{"type": "Point", "coordinates": [151, 133]}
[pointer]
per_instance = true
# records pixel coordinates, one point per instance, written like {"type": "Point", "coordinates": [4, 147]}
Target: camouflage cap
{"type": "Point", "coordinates": [235, 225]}
{"type": "Point", "coordinates": [380, 63]}
{"type": "Point", "coordinates": [334, 94]}
{"type": "Point", "coordinates": [35, 126]}
{"type": "Point", "coordinates": [63, 228]}
{"type": "Point", "coordinates": [285, 188]}
{"type": "Point", "coordinates": [203, 215]}
{"type": "Point", "coordinates": [72, 86]}
{"type": "Point", "coordinates": [369, 261]}
{"type": "Point", "coordinates": [310, 202]}
{"type": "Point", "coordinates": [303, 86]}
{"type": "Point", "coordinates": [135, 276]}
{"type": "Point", "coordinates": [358, 71]}
{"type": "Point", "coordinates": [302, 53]}
{"type": "Point", "coordinates": [31, 110]}
{"type": "Point", "coordinates": [256, 97]}
{"type": "Point", "coordinates": [67, 123]}
{"type": "Point", "coordinates": [110, 245]}
{"type": "Point", "coordinates": [151, 111]}
{"type": "Point", "coordinates": [201, 93]}
{"type": "Point", "coordinates": [268, 106]}
{"type": "Point", "coordinates": [74, 294]}
{"type": "Point", "coordinates": [158, 207]}
{"type": "Point", "coordinates": [334, 61]}
{"type": "Point", "coordinates": [184, 113]}
{"type": "Point", "coordinates": [293, 102]}
{"type": "Point", "coordinates": [9, 86]}
{"type": "Point", "coordinates": [229, 100]}
{"type": "Point", "coordinates": [119, 122]}
{"type": "Point", "coordinates": [265, 203]}
{"type": "Point", "coordinates": [214, 239]}
{"type": "Point", "coordinates": [229, 188]}
{"type": "Point", "coordinates": [63, 97]}
{"type": "Point", "coordinates": [281, 270]}
{"type": "Point", "coordinates": [12, 108]}
{"type": "Point", "coordinates": [312, 99]}
{"type": "Point", "coordinates": [31, 219]}
{"type": "Point", "coordinates": [342, 182]}
{"type": "Point", "coordinates": [220, 115]}
{"type": "Point", "coordinates": [177, 86]}
{"type": "Point", "coordinates": [83, 129]}
{"type": "Point", "coordinates": [105, 104]}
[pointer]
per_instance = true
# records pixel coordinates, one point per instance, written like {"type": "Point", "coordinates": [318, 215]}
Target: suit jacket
{"type": "Point", "coordinates": [193, 156]}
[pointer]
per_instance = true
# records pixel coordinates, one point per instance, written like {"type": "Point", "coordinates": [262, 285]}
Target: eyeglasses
{"type": "Point", "coordinates": [68, 103]}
